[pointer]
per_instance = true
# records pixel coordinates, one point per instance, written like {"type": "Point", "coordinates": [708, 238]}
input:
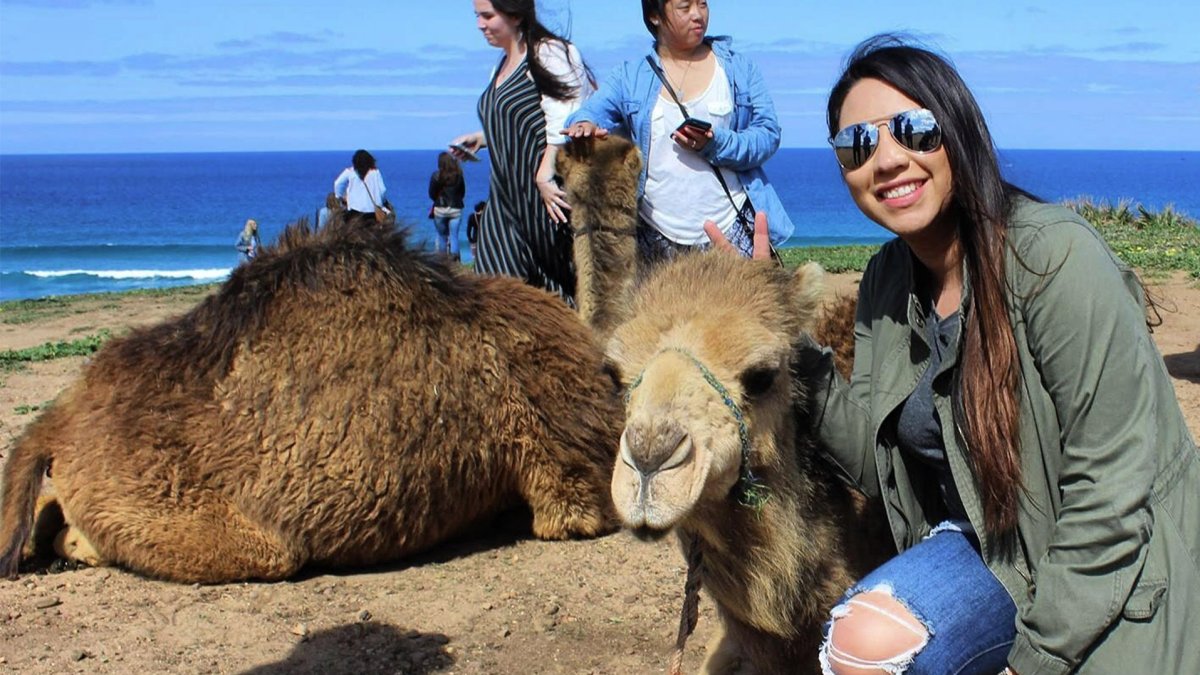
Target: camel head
{"type": "Point", "coordinates": [705, 364]}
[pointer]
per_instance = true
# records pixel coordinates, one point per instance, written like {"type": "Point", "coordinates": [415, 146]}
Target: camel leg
{"type": "Point", "coordinates": [725, 656]}
{"type": "Point", "coordinates": [204, 541]}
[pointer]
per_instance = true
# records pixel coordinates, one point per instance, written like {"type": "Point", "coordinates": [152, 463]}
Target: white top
{"type": "Point", "coordinates": [349, 185]}
{"type": "Point", "coordinates": [681, 189]}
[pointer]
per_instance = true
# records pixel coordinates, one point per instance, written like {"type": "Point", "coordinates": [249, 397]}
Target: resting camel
{"type": "Point", "coordinates": [342, 400]}
{"type": "Point", "coordinates": [717, 447]}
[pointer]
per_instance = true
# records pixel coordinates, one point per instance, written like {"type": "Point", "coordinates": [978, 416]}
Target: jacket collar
{"type": "Point", "coordinates": [722, 45]}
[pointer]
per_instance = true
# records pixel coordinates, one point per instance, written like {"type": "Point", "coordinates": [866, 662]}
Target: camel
{"type": "Point", "coordinates": [717, 447]}
{"type": "Point", "coordinates": [601, 188]}
{"type": "Point", "coordinates": [341, 401]}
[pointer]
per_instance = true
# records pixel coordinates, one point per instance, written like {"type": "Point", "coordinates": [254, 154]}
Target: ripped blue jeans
{"type": "Point", "coordinates": [968, 616]}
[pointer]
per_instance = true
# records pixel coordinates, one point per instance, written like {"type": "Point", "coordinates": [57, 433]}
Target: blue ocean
{"type": "Point", "coordinates": [91, 223]}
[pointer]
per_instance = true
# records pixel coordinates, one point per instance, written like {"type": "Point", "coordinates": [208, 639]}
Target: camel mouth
{"type": "Point", "coordinates": [647, 534]}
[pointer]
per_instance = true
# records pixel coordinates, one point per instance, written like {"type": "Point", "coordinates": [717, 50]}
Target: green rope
{"type": "Point", "coordinates": [749, 491]}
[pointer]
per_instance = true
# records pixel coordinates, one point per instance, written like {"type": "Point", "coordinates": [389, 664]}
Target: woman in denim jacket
{"type": "Point", "coordinates": [679, 188]}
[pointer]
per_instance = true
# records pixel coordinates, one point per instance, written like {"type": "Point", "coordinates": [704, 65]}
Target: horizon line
{"type": "Point", "coordinates": [436, 148]}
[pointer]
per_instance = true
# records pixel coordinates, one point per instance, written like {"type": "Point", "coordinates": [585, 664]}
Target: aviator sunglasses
{"type": "Point", "coordinates": [915, 129]}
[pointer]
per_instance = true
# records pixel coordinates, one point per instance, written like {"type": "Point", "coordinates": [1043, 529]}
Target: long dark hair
{"type": "Point", "coordinates": [981, 202]}
{"type": "Point", "coordinates": [449, 172]}
{"type": "Point", "coordinates": [363, 162]}
{"type": "Point", "coordinates": [534, 33]}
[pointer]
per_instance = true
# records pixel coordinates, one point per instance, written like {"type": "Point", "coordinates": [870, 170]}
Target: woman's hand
{"type": "Point", "coordinates": [473, 141]}
{"type": "Point", "coordinates": [584, 130]}
{"type": "Point", "coordinates": [553, 197]}
{"type": "Point", "coordinates": [692, 138]}
{"type": "Point", "coordinates": [762, 240]}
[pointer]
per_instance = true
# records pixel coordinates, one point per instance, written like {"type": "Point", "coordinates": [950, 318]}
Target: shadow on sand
{"type": "Point", "coordinates": [1184, 366]}
{"type": "Point", "coordinates": [364, 649]}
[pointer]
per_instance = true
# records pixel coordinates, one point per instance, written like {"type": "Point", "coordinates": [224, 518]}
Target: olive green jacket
{"type": "Point", "coordinates": [1105, 565]}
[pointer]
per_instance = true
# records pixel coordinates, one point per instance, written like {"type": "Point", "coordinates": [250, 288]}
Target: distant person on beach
{"type": "Point", "coordinates": [539, 80]}
{"type": "Point", "coordinates": [332, 205]}
{"type": "Point", "coordinates": [447, 190]}
{"type": "Point", "coordinates": [1007, 405]}
{"type": "Point", "coordinates": [360, 187]}
{"type": "Point", "coordinates": [248, 242]}
{"type": "Point", "coordinates": [710, 170]}
{"type": "Point", "coordinates": [473, 226]}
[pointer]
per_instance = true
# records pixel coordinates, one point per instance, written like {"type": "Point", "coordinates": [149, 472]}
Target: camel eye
{"type": "Point", "coordinates": [614, 373]}
{"type": "Point", "coordinates": [756, 381]}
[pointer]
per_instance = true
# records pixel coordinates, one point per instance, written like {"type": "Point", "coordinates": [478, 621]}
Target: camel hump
{"type": "Point", "coordinates": [18, 495]}
{"type": "Point", "coordinates": [808, 289]}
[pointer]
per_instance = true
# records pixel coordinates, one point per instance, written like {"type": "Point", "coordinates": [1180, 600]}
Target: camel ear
{"type": "Point", "coordinates": [808, 287]}
{"type": "Point", "coordinates": [633, 160]}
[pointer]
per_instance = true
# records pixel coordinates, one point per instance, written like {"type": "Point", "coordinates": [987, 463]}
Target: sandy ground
{"type": "Point", "coordinates": [496, 603]}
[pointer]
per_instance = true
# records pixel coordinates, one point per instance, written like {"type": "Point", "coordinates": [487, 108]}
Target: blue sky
{"type": "Point", "coordinates": [215, 75]}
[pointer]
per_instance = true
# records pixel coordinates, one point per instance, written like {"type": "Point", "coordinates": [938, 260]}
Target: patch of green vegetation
{"type": "Point", "coordinates": [835, 259]}
{"type": "Point", "coordinates": [30, 409]}
{"type": "Point", "coordinates": [1156, 243]}
{"type": "Point", "coordinates": [27, 311]}
{"type": "Point", "coordinates": [14, 359]}
{"type": "Point", "coordinates": [1160, 242]}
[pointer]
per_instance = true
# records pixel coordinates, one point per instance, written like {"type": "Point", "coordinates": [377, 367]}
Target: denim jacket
{"type": "Point", "coordinates": [627, 98]}
{"type": "Point", "coordinates": [1105, 565]}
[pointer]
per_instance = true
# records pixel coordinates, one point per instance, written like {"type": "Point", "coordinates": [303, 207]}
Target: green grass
{"type": "Point", "coordinates": [15, 359]}
{"type": "Point", "coordinates": [17, 312]}
{"type": "Point", "coordinates": [1157, 243]}
{"type": "Point", "coordinates": [834, 259]}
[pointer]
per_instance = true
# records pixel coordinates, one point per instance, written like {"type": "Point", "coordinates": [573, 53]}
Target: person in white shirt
{"type": "Point", "coordinates": [360, 187]}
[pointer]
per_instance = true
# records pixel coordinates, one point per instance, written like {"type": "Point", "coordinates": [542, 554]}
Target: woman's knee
{"type": "Point", "coordinates": [872, 632]}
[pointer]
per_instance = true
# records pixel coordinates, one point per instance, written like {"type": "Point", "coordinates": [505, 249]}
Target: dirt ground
{"type": "Point", "coordinates": [498, 602]}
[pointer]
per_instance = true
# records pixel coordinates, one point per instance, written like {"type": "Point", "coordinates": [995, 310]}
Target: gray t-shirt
{"type": "Point", "coordinates": [919, 428]}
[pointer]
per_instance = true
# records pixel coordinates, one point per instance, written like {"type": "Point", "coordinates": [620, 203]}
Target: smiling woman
{"type": "Point", "coordinates": [1027, 431]}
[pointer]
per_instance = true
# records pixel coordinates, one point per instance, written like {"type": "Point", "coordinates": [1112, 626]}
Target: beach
{"type": "Point", "coordinates": [497, 602]}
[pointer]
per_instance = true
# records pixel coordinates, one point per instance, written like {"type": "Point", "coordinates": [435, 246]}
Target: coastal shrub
{"type": "Point", "coordinates": [1154, 242]}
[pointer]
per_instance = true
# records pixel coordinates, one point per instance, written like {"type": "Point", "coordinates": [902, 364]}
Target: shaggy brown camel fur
{"type": "Point", "coordinates": [716, 395]}
{"type": "Point", "coordinates": [836, 331]}
{"type": "Point", "coordinates": [340, 401]}
{"type": "Point", "coordinates": [601, 181]}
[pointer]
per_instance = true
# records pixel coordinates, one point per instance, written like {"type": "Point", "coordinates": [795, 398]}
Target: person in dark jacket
{"type": "Point", "coordinates": [473, 226]}
{"type": "Point", "coordinates": [447, 190]}
{"type": "Point", "coordinates": [1007, 404]}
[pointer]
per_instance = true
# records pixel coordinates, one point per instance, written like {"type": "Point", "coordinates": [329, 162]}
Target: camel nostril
{"type": "Point", "coordinates": [683, 451]}
{"type": "Point", "coordinates": [658, 446]}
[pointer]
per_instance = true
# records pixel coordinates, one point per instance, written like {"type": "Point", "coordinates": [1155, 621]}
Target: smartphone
{"type": "Point", "coordinates": [470, 154]}
{"type": "Point", "coordinates": [695, 124]}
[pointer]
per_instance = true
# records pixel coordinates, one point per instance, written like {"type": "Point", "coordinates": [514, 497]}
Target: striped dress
{"type": "Point", "coordinates": [516, 236]}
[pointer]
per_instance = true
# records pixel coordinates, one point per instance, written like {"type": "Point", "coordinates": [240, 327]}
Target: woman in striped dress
{"type": "Point", "coordinates": [540, 80]}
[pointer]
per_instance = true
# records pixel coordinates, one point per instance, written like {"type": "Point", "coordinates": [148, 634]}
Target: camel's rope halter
{"type": "Point", "coordinates": [749, 491]}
